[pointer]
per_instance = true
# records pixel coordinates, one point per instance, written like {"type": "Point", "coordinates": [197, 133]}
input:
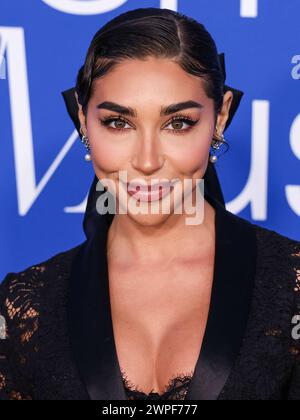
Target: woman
{"type": "Point", "coordinates": [149, 306]}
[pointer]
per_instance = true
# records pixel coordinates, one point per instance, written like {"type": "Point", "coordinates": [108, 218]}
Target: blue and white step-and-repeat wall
{"type": "Point", "coordinates": [44, 178]}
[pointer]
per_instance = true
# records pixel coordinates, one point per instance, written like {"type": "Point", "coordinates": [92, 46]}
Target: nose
{"type": "Point", "coordinates": [148, 157]}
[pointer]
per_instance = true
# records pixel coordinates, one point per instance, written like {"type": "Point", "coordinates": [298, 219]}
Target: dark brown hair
{"type": "Point", "coordinates": [154, 32]}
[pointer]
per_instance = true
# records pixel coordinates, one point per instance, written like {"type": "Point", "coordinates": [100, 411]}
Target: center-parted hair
{"type": "Point", "coordinates": [153, 32]}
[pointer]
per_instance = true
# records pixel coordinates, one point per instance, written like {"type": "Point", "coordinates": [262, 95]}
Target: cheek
{"type": "Point", "coordinates": [191, 158]}
{"type": "Point", "coordinates": [107, 152]}
{"type": "Point", "coordinates": [194, 156]}
{"type": "Point", "coordinates": [105, 155]}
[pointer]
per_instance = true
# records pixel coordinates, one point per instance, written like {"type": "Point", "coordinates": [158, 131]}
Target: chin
{"type": "Point", "coordinates": [149, 220]}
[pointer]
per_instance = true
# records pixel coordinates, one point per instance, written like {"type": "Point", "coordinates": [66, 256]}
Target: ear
{"type": "Point", "coordinates": [224, 113]}
{"type": "Point", "coordinates": [81, 116]}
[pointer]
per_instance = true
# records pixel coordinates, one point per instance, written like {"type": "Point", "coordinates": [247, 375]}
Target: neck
{"type": "Point", "coordinates": [173, 238]}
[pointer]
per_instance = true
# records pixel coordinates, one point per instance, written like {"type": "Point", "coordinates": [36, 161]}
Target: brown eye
{"type": "Point", "coordinates": [177, 125]}
{"type": "Point", "coordinates": [119, 123]}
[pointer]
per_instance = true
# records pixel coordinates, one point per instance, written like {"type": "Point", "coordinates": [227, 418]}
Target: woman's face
{"type": "Point", "coordinates": [149, 140]}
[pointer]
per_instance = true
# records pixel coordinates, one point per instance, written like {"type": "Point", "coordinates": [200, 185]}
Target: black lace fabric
{"type": "Point", "coordinates": [176, 389]}
{"type": "Point", "coordinates": [25, 316]}
{"type": "Point", "coordinates": [36, 359]}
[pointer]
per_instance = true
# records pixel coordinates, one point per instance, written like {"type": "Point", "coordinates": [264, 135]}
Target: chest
{"type": "Point", "coordinates": [159, 318]}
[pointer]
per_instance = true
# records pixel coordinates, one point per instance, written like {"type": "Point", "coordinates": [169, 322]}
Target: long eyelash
{"type": "Point", "coordinates": [107, 120]}
{"type": "Point", "coordinates": [185, 118]}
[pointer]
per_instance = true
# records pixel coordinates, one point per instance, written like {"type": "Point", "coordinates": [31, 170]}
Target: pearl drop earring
{"type": "Point", "coordinates": [216, 144]}
{"type": "Point", "coordinates": [86, 142]}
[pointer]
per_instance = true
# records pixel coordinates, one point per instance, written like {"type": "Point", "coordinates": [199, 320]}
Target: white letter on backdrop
{"type": "Point", "coordinates": [256, 189]}
{"type": "Point", "coordinates": [293, 191]}
{"type": "Point", "coordinates": [79, 7]}
{"type": "Point", "coordinates": [249, 8]}
{"type": "Point", "coordinates": [13, 43]}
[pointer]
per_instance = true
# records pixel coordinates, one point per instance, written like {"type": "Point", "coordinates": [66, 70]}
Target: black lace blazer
{"type": "Point", "coordinates": [57, 337]}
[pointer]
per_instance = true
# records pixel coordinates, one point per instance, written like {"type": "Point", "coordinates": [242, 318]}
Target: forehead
{"type": "Point", "coordinates": [153, 79]}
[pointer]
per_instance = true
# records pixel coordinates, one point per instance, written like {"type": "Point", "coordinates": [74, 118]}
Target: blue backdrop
{"type": "Point", "coordinates": [44, 179]}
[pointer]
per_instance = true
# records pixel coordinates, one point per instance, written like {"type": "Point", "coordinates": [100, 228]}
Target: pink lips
{"type": "Point", "coordinates": [149, 192]}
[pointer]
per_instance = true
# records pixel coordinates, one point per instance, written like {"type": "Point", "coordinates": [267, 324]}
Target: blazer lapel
{"type": "Point", "coordinates": [90, 321]}
{"type": "Point", "coordinates": [235, 265]}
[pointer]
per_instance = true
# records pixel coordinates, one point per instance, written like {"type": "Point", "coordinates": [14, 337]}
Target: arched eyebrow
{"type": "Point", "coordinates": [130, 112]}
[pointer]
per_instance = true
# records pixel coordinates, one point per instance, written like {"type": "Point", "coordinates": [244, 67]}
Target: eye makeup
{"type": "Point", "coordinates": [106, 121]}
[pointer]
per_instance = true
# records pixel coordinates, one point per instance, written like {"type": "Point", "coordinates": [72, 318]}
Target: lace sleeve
{"type": "Point", "coordinates": [13, 385]}
{"type": "Point", "coordinates": [294, 390]}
